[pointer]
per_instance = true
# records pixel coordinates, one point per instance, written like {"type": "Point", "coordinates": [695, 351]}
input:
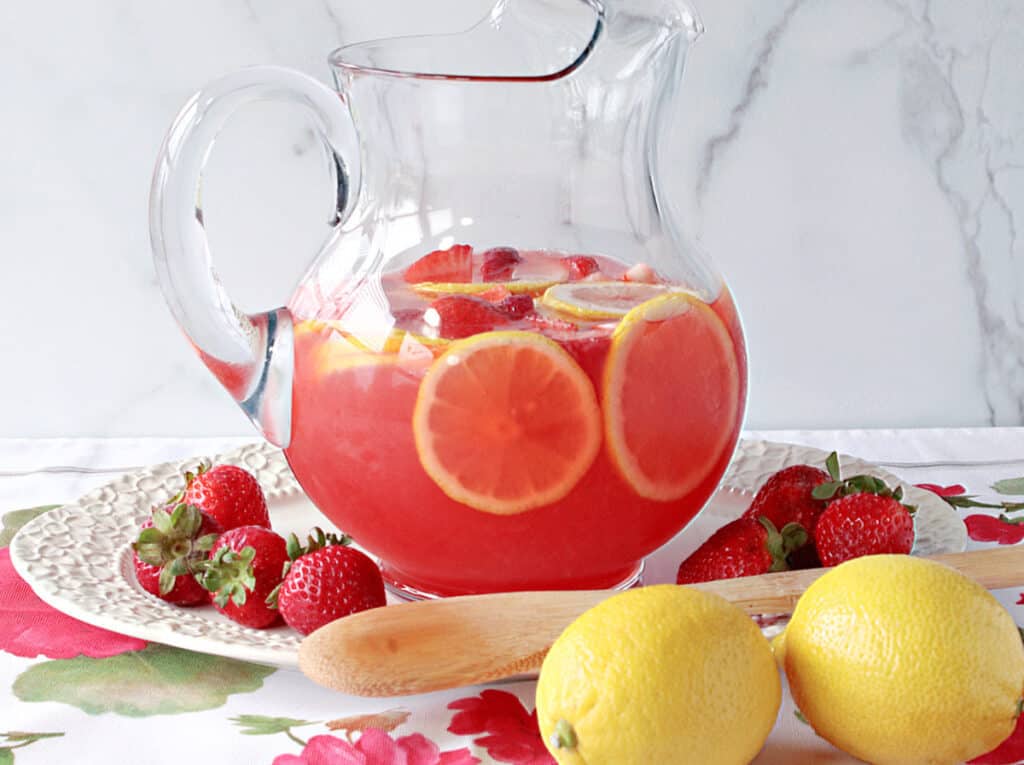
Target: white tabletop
{"type": "Point", "coordinates": [106, 707]}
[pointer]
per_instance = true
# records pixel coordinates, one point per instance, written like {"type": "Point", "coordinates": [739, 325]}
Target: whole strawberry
{"type": "Point", "coordinates": [327, 580]}
{"type": "Point", "coordinates": [170, 552]}
{"type": "Point", "coordinates": [458, 316]}
{"type": "Point", "coordinates": [229, 495]}
{"type": "Point", "coordinates": [863, 524]}
{"type": "Point", "coordinates": [744, 547]}
{"type": "Point", "coordinates": [245, 566]}
{"type": "Point", "coordinates": [787, 497]}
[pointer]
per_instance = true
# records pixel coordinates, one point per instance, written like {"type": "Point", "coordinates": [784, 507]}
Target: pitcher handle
{"type": "Point", "coordinates": [250, 354]}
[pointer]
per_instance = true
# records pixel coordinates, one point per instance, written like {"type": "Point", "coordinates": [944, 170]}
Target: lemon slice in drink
{"type": "Point", "coordinates": [671, 396]}
{"type": "Point", "coordinates": [599, 301]}
{"type": "Point", "coordinates": [438, 289]}
{"type": "Point", "coordinates": [485, 435]}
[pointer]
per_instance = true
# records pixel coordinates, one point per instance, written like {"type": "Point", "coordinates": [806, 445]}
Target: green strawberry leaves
{"type": "Point", "coordinates": [156, 680]}
{"type": "Point", "coordinates": [173, 543]}
{"type": "Point", "coordinates": [780, 544]}
{"type": "Point", "coordinates": [858, 484]}
{"type": "Point", "coordinates": [316, 540]}
{"type": "Point", "coordinates": [230, 575]}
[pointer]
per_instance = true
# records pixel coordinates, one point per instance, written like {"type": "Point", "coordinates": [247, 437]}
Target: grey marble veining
{"type": "Point", "coordinates": [856, 169]}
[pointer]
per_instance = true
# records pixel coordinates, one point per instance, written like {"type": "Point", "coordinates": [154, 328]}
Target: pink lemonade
{"type": "Point", "coordinates": [521, 420]}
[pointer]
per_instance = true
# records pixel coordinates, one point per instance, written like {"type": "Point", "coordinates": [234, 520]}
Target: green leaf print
{"type": "Point", "coordinates": [1009, 486]}
{"type": "Point", "coordinates": [14, 520]}
{"type": "Point", "coordinates": [258, 725]}
{"type": "Point", "coordinates": [158, 680]}
{"type": "Point", "coordinates": [18, 739]}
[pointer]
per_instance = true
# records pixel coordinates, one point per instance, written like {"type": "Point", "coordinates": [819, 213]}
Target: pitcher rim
{"type": "Point", "coordinates": [337, 60]}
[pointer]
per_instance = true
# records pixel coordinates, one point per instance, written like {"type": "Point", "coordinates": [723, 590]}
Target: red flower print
{"type": "Point", "coordinates": [512, 733]}
{"type": "Point", "coordinates": [375, 747]}
{"type": "Point", "coordinates": [1009, 752]}
{"type": "Point", "coordinates": [943, 491]}
{"type": "Point", "coordinates": [29, 627]}
{"type": "Point", "coordinates": [987, 528]}
{"type": "Point", "coordinates": [1020, 599]}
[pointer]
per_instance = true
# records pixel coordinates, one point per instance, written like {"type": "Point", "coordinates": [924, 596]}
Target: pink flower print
{"type": "Point", "coordinates": [375, 747]}
{"type": "Point", "coordinates": [29, 627]}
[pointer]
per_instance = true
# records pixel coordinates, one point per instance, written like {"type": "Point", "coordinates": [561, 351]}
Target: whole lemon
{"type": "Point", "coordinates": [895, 659]}
{"type": "Point", "coordinates": [662, 674]}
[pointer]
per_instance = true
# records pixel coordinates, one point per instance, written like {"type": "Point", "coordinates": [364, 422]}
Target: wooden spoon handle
{"type": "Point", "coordinates": [438, 644]}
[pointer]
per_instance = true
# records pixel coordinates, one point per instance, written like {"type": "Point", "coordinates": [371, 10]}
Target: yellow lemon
{"type": "Point", "coordinates": [660, 674]}
{"type": "Point", "coordinates": [599, 301]}
{"type": "Point", "coordinates": [439, 289]}
{"type": "Point", "coordinates": [895, 659]}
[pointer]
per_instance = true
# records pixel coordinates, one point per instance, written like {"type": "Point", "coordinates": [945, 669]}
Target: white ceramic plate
{"type": "Point", "coordinates": [77, 558]}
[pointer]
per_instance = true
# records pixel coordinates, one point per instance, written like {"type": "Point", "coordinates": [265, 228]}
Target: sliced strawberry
{"type": "Point", "coordinates": [452, 265]}
{"type": "Point", "coordinates": [580, 266]}
{"type": "Point", "coordinates": [495, 294]}
{"type": "Point", "coordinates": [550, 323]}
{"type": "Point", "coordinates": [516, 306]}
{"type": "Point", "coordinates": [458, 316]}
{"type": "Point", "coordinates": [499, 264]}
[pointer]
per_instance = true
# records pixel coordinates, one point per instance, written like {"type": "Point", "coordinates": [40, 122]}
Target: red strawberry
{"type": "Point", "coordinates": [229, 495]}
{"type": "Point", "coordinates": [169, 553]}
{"type": "Point", "coordinates": [545, 322]}
{"type": "Point", "coordinates": [744, 547]}
{"type": "Point", "coordinates": [452, 265]}
{"type": "Point", "coordinates": [580, 266]}
{"type": "Point", "coordinates": [457, 316]}
{"type": "Point", "coordinates": [499, 264]}
{"type": "Point", "coordinates": [326, 580]}
{"type": "Point", "coordinates": [863, 524]}
{"type": "Point", "coordinates": [495, 294]}
{"type": "Point", "coordinates": [516, 306]}
{"type": "Point", "coordinates": [245, 566]}
{"type": "Point", "coordinates": [786, 497]}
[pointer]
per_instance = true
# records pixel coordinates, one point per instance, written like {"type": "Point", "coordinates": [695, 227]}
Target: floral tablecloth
{"type": "Point", "coordinates": [70, 692]}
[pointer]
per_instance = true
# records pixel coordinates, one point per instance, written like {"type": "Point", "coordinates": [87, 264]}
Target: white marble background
{"type": "Point", "coordinates": [856, 168]}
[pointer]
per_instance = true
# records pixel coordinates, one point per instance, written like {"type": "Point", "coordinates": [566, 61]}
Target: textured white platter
{"type": "Point", "coordinates": [77, 558]}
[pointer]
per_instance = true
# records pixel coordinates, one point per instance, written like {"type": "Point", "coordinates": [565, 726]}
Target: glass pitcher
{"type": "Point", "coordinates": [507, 368]}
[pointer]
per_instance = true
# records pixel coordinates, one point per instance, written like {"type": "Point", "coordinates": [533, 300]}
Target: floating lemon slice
{"type": "Point", "coordinates": [599, 301]}
{"type": "Point", "coordinates": [506, 422]}
{"type": "Point", "coordinates": [672, 397]}
{"type": "Point", "coordinates": [338, 341]}
{"type": "Point", "coordinates": [437, 289]}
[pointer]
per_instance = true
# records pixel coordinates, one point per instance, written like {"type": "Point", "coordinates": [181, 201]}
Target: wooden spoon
{"type": "Point", "coordinates": [439, 644]}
